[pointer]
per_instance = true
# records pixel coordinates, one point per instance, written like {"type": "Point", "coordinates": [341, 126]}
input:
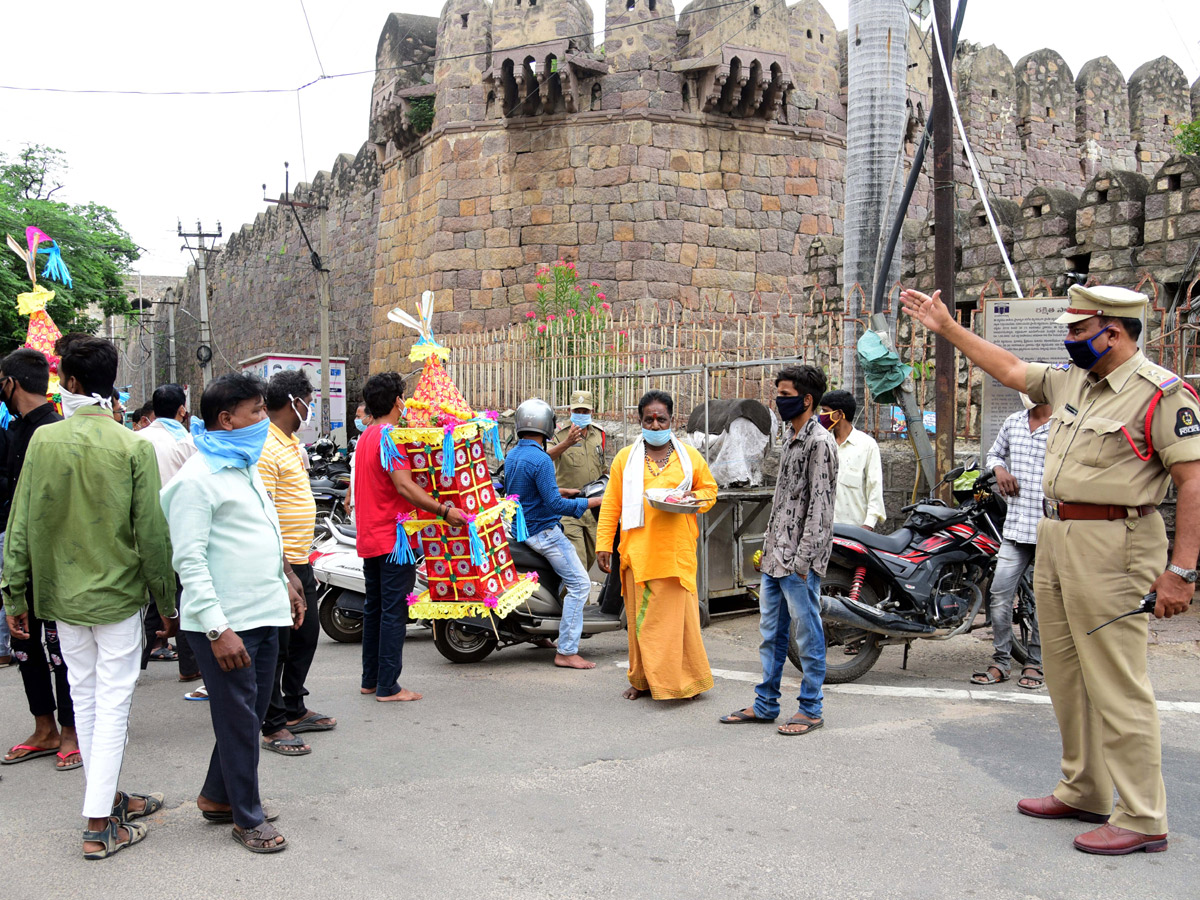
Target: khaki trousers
{"type": "Point", "coordinates": [1086, 573]}
{"type": "Point", "coordinates": [582, 535]}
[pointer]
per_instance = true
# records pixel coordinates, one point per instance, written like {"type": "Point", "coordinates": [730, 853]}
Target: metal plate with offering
{"type": "Point", "coordinates": [673, 500]}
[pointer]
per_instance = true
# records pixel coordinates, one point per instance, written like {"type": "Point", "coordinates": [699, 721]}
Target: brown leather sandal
{"type": "Point", "coordinates": [260, 839]}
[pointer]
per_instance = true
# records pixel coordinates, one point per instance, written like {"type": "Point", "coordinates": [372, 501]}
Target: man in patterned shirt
{"type": "Point", "coordinates": [1018, 458]}
{"type": "Point", "coordinates": [285, 476]}
{"type": "Point", "coordinates": [796, 550]}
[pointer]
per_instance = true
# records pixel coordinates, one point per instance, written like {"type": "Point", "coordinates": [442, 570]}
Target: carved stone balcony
{"type": "Point", "coordinates": [541, 79]}
{"type": "Point", "coordinates": [744, 83]}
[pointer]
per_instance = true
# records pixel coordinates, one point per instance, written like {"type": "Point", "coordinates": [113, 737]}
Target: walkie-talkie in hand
{"type": "Point", "coordinates": [1148, 603]}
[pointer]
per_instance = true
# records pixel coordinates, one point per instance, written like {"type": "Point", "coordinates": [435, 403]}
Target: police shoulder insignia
{"type": "Point", "coordinates": [1062, 367]}
{"type": "Point", "coordinates": [1166, 381]}
{"type": "Point", "coordinates": [1187, 424]}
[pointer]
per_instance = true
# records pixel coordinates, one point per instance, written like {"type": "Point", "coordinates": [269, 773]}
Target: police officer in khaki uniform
{"type": "Point", "coordinates": [578, 455]}
{"type": "Point", "coordinates": [1121, 427]}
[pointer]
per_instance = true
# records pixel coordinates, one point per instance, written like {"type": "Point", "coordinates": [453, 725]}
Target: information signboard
{"type": "Point", "coordinates": [269, 363]}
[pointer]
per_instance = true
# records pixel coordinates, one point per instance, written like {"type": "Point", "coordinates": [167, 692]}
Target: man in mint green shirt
{"type": "Point", "coordinates": [229, 556]}
{"type": "Point", "coordinates": [86, 523]}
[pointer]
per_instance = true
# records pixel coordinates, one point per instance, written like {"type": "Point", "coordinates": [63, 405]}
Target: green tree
{"type": "Point", "coordinates": [96, 249]}
{"type": "Point", "coordinates": [1187, 137]}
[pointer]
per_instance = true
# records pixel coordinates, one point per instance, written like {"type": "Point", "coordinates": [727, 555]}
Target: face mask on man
{"type": "Point", "coordinates": [656, 438]}
{"type": "Point", "coordinates": [1083, 352]}
{"type": "Point", "coordinates": [360, 425]}
{"type": "Point", "coordinates": [581, 420]}
{"type": "Point", "coordinates": [790, 407]}
{"type": "Point", "coordinates": [826, 420]}
{"type": "Point", "coordinates": [306, 417]}
{"type": "Point", "coordinates": [71, 403]}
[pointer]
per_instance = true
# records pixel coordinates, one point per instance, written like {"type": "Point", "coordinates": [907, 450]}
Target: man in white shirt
{"type": "Point", "coordinates": [859, 499]}
{"type": "Point", "coordinates": [173, 446]}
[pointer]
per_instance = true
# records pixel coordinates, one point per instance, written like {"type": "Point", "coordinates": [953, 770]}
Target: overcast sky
{"type": "Point", "coordinates": [156, 159]}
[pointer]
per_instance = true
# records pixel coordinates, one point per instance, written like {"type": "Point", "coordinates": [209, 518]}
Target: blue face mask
{"type": "Point", "coordinates": [360, 425]}
{"type": "Point", "coordinates": [236, 449]}
{"type": "Point", "coordinates": [656, 438]}
{"type": "Point", "coordinates": [581, 420]}
{"type": "Point", "coordinates": [1083, 353]}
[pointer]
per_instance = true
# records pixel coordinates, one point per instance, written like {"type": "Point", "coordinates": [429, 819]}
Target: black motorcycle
{"type": "Point", "coordinates": [469, 640]}
{"type": "Point", "coordinates": [926, 580]}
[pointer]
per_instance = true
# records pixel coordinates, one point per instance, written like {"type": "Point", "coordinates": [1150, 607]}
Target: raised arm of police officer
{"type": "Point", "coordinates": [996, 361]}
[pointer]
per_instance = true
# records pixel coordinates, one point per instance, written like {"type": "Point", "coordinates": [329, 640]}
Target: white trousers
{"type": "Point", "coordinates": [103, 663]}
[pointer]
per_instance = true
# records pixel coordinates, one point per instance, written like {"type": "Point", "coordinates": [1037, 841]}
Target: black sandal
{"type": "Point", "coordinates": [739, 717]}
{"type": "Point", "coordinates": [292, 746]}
{"type": "Point", "coordinates": [264, 835]}
{"type": "Point", "coordinates": [154, 802]}
{"type": "Point", "coordinates": [1036, 680]}
{"type": "Point", "coordinates": [809, 724]}
{"type": "Point", "coordinates": [110, 837]}
{"type": "Point", "coordinates": [986, 677]}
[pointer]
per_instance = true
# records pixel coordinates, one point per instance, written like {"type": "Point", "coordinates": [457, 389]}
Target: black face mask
{"type": "Point", "coordinates": [791, 407]}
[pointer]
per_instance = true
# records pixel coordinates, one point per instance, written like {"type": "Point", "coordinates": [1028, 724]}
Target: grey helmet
{"type": "Point", "coordinates": [534, 415]}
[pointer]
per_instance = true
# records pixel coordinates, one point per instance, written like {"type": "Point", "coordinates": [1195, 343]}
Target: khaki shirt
{"type": "Point", "coordinates": [582, 463]}
{"type": "Point", "coordinates": [1098, 422]}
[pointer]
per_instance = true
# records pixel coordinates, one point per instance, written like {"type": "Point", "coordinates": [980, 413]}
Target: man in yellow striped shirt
{"type": "Point", "coordinates": [285, 476]}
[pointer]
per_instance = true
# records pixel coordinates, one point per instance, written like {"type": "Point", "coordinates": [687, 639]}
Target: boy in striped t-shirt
{"type": "Point", "coordinates": [285, 476]}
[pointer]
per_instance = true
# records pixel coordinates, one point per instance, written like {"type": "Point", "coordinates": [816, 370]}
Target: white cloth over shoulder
{"type": "Point", "coordinates": [633, 486]}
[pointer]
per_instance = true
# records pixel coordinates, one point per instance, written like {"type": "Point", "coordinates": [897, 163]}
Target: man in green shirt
{"type": "Point", "coordinates": [86, 523]}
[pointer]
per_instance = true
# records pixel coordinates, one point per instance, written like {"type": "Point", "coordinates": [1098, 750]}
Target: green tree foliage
{"type": "Point", "coordinates": [95, 247]}
{"type": "Point", "coordinates": [1187, 138]}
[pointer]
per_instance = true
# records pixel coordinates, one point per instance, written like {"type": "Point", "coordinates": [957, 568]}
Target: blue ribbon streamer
{"type": "Point", "coordinates": [402, 554]}
{"type": "Point", "coordinates": [477, 548]}
{"type": "Point", "coordinates": [5, 415]}
{"type": "Point", "coordinates": [389, 453]}
{"type": "Point", "coordinates": [448, 454]}
{"type": "Point", "coordinates": [497, 450]}
{"type": "Point", "coordinates": [55, 267]}
{"type": "Point", "coordinates": [520, 529]}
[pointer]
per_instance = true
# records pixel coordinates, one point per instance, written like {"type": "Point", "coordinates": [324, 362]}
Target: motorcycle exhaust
{"type": "Point", "coordinates": [855, 614]}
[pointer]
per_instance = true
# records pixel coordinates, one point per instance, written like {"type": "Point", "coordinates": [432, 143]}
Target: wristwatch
{"type": "Point", "coordinates": [1188, 575]}
{"type": "Point", "coordinates": [214, 633]}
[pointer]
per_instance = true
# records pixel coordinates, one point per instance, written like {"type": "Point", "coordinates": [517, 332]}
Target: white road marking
{"type": "Point", "coordinates": [887, 690]}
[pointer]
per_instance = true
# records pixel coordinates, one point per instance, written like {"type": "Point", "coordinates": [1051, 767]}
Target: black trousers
{"type": "Point", "coordinates": [154, 624]}
{"type": "Point", "coordinates": [237, 703]}
{"type": "Point", "coordinates": [296, 650]}
{"type": "Point", "coordinates": [44, 671]}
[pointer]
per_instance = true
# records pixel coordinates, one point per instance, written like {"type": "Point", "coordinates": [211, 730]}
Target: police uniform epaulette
{"type": "Point", "coordinates": [1166, 381]}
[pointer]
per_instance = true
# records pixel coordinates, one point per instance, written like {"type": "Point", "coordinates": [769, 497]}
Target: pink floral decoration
{"type": "Point", "coordinates": [551, 317]}
{"type": "Point", "coordinates": [491, 602]}
{"type": "Point", "coordinates": [541, 329]}
{"type": "Point", "coordinates": [606, 306]}
{"type": "Point", "coordinates": [531, 315]}
{"type": "Point", "coordinates": [592, 310]}
{"type": "Point", "coordinates": [570, 313]}
{"type": "Point", "coordinates": [600, 296]}
{"type": "Point", "coordinates": [413, 599]}
{"type": "Point", "coordinates": [595, 284]}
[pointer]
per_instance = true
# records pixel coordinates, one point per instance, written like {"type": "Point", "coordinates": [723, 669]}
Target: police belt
{"type": "Point", "coordinates": [1063, 511]}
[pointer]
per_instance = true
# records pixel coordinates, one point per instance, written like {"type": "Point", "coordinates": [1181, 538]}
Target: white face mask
{"type": "Point", "coordinates": [72, 402]}
{"type": "Point", "coordinates": [307, 417]}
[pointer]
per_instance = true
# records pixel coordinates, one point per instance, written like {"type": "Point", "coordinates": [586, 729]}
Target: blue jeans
{"type": "Point", "coordinates": [803, 605]}
{"type": "Point", "coordinates": [385, 619]}
{"type": "Point", "coordinates": [556, 547]}
{"type": "Point", "coordinates": [1011, 563]}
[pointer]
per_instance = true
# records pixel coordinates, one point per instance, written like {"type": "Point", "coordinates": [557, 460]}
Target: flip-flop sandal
{"type": "Point", "coordinates": [34, 753]}
{"type": "Point", "coordinates": [200, 693]}
{"type": "Point", "coordinates": [64, 757]}
{"type": "Point", "coordinates": [164, 654]}
{"type": "Point", "coordinates": [186, 678]}
{"type": "Point", "coordinates": [264, 832]}
{"type": "Point", "coordinates": [739, 717]}
{"type": "Point", "coordinates": [810, 726]}
{"type": "Point", "coordinates": [225, 816]}
{"type": "Point", "coordinates": [1037, 680]}
{"type": "Point", "coordinates": [279, 746]}
{"type": "Point", "coordinates": [312, 722]}
{"type": "Point", "coordinates": [986, 677]}
{"type": "Point", "coordinates": [154, 802]}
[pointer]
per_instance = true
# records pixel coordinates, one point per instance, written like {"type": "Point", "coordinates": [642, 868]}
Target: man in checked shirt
{"type": "Point", "coordinates": [1018, 457]}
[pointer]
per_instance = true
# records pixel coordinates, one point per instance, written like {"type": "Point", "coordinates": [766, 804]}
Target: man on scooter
{"type": "Point", "coordinates": [529, 474]}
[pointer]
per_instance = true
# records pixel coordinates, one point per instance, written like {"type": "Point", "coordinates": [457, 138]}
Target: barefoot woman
{"type": "Point", "coordinates": [658, 556]}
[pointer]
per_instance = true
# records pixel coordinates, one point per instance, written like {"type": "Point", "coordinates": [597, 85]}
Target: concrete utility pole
{"type": "Point", "coordinates": [204, 352]}
{"type": "Point", "coordinates": [324, 406]}
{"type": "Point", "coordinates": [945, 376]}
{"type": "Point", "coordinates": [170, 301]}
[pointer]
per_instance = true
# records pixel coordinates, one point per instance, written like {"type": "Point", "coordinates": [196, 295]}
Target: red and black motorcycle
{"type": "Point", "coordinates": [926, 580]}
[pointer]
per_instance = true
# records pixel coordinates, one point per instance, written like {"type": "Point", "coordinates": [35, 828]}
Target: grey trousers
{"type": "Point", "coordinates": [1011, 563]}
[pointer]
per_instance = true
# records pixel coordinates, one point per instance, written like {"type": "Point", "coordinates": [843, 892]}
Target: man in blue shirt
{"type": "Point", "coordinates": [529, 474]}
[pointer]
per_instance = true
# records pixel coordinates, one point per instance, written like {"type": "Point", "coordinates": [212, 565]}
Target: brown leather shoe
{"type": "Point", "coordinates": [1053, 808]}
{"type": "Point", "coordinates": [1109, 840]}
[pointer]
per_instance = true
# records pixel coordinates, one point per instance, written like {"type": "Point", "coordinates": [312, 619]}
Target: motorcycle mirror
{"type": "Point", "coordinates": [953, 474]}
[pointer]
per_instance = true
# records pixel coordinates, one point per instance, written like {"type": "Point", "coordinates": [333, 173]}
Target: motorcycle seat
{"type": "Point", "coordinates": [888, 543]}
{"type": "Point", "coordinates": [349, 531]}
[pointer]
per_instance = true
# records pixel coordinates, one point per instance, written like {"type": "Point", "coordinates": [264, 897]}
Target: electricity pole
{"type": "Point", "coordinates": [945, 375]}
{"type": "Point", "coordinates": [324, 406]}
{"type": "Point", "coordinates": [204, 352]}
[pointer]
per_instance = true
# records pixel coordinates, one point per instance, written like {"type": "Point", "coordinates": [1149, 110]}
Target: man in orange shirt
{"type": "Point", "coordinates": [284, 475]}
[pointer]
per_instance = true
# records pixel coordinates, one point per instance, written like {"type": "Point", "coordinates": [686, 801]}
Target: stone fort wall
{"type": "Point", "coordinates": [686, 162]}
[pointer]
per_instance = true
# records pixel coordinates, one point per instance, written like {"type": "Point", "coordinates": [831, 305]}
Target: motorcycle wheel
{"type": "Point", "coordinates": [342, 628]}
{"type": "Point", "coordinates": [1024, 613]}
{"type": "Point", "coordinates": [459, 644]}
{"type": "Point", "coordinates": [840, 668]}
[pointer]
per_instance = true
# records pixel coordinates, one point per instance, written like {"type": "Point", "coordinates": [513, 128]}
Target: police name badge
{"type": "Point", "coordinates": [1186, 423]}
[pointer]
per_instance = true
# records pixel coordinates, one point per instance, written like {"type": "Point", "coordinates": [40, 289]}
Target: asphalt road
{"type": "Point", "coordinates": [515, 779]}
